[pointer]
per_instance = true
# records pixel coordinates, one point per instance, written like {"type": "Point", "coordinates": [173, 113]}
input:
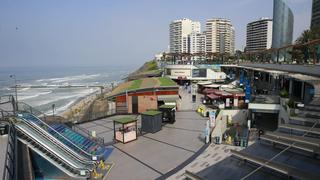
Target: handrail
{"type": "Point", "coordinates": [55, 141]}
{"type": "Point", "coordinates": [41, 121]}
{"type": "Point", "coordinates": [9, 172]}
{"type": "Point", "coordinates": [49, 150]}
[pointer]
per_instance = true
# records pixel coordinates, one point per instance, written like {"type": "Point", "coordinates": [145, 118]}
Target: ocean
{"type": "Point", "coordinates": [43, 98]}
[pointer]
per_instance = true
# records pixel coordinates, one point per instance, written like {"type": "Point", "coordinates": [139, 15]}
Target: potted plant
{"type": "Point", "coordinates": [291, 107]}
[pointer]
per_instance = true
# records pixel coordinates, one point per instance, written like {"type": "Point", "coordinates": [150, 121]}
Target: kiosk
{"type": "Point", "coordinates": [125, 129]}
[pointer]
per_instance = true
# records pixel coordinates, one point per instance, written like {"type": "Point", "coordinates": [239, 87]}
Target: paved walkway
{"type": "Point", "coordinates": [153, 155]}
{"type": "Point", "coordinates": [211, 156]}
{"type": "Point", "coordinates": [185, 103]}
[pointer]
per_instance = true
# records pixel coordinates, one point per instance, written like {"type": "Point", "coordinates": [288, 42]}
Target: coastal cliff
{"type": "Point", "coordinates": [97, 106]}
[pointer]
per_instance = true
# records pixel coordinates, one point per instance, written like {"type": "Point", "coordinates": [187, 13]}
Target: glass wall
{"type": "Point", "coordinates": [282, 27]}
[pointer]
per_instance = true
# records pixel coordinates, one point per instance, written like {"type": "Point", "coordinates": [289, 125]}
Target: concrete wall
{"type": "Point", "coordinates": [147, 102]}
{"type": "Point", "coordinates": [129, 99]}
{"type": "Point", "coordinates": [237, 116]}
{"type": "Point", "coordinates": [25, 169]}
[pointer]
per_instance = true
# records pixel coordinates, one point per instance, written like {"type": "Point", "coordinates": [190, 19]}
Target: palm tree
{"type": "Point", "coordinates": [307, 36]}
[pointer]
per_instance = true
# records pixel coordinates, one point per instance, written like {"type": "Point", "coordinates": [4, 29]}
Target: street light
{"type": "Point", "coordinates": [53, 107]}
{"type": "Point", "coordinates": [13, 76]}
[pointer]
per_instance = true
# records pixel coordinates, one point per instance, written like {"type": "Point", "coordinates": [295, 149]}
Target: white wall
{"type": "Point", "coordinates": [237, 116]}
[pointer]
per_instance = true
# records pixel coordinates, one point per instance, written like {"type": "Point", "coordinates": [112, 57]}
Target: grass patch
{"type": "Point", "coordinates": [125, 120]}
{"type": "Point", "coordinates": [135, 84]}
{"type": "Point", "coordinates": [154, 72]}
{"type": "Point", "coordinates": [152, 65]}
{"type": "Point", "coordinates": [166, 82]}
{"type": "Point", "coordinates": [151, 113]}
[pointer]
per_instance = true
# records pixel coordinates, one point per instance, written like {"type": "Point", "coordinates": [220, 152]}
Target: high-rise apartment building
{"type": "Point", "coordinates": [180, 31]}
{"type": "Point", "coordinates": [220, 36]}
{"type": "Point", "coordinates": [315, 17]}
{"type": "Point", "coordinates": [197, 45]}
{"type": "Point", "coordinates": [259, 35]}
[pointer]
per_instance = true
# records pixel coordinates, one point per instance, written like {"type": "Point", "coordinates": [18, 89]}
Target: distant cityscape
{"type": "Point", "coordinates": [186, 37]}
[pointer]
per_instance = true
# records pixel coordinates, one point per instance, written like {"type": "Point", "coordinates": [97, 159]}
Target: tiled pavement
{"type": "Point", "coordinates": [153, 155]}
{"type": "Point", "coordinates": [211, 156]}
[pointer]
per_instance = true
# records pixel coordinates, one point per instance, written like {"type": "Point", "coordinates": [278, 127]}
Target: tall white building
{"type": "Point", "coordinates": [180, 31]}
{"type": "Point", "coordinates": [259, 35]}
{"type": "Point", "coordinates": [197, 45]}
{"type": "Point", "coordinates": [220, 36]}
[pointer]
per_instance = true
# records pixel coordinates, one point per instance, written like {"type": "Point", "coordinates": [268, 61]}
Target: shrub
{"type": "Point", "coordinates": [284, 93]}
{"type": "Point", "coordinates": [291, 103]}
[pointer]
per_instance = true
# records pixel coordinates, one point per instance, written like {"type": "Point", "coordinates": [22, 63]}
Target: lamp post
{"type": "Point", "coordinates": [53, 107]}
{"type": "Point", "coordinates": [13, 76]}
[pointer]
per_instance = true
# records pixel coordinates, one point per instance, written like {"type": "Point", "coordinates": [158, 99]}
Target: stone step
{"type": "Point", "coordinates": [300, 128]}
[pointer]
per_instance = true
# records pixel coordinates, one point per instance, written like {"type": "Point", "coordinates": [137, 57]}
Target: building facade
{"type": "Point", "coordinates": [282, 28]}
{"type": "Point", "coordinates": [259, 35]}
{"type": "Point", "coordinates": [315, 17]}
{"type": "Point", "coordinates": [220, 36]}
{"type": "Point", "coordinates": [180, 31]}
{"type": "Point", "coordinates": [198, 45]}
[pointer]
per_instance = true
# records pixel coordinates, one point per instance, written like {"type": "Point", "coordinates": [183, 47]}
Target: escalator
{"type": "Point", "coordinates": [69, 158]}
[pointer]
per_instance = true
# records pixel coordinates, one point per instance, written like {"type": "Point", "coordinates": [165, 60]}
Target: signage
{"type": "Point", "coordinates": [212, 117]}
{"type": "Point", "coordinates": [247, 91]}
{"type": "Point", "coordinates": [227, 102]}
{"type": "Point", "coordinates": [241, 81]}
{"type": "Point", "coordinates": [235, 102]}
{"type": "Point", "coordinates": [207, 132]}
{"type": "Point", "coordinates": [180, 73]}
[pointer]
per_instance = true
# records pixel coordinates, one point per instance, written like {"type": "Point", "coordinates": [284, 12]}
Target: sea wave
{"type": "Point", "coordinates": [24, 89]}
{"type": "Point", "coordinates": [33, 96]}
{"type": "Point", "coordinates": [59, 97]}
{"type": "Point", "coordinates": [69, 78]}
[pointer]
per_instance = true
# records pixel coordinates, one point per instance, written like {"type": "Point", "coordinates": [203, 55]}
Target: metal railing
{"type": "Point", "coordinates": [88, 134]}
{"type": "Point", "coordinates": [8, 103]}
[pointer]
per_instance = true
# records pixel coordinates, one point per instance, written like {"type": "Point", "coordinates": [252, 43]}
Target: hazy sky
{"type": "Point", "coordinates": [105, 32]}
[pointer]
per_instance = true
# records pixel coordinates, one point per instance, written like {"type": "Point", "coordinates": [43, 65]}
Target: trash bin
{"type": "Point", "coordinates": [194, 98]}
{"type": "Point", "coordinates": [151, 121]}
